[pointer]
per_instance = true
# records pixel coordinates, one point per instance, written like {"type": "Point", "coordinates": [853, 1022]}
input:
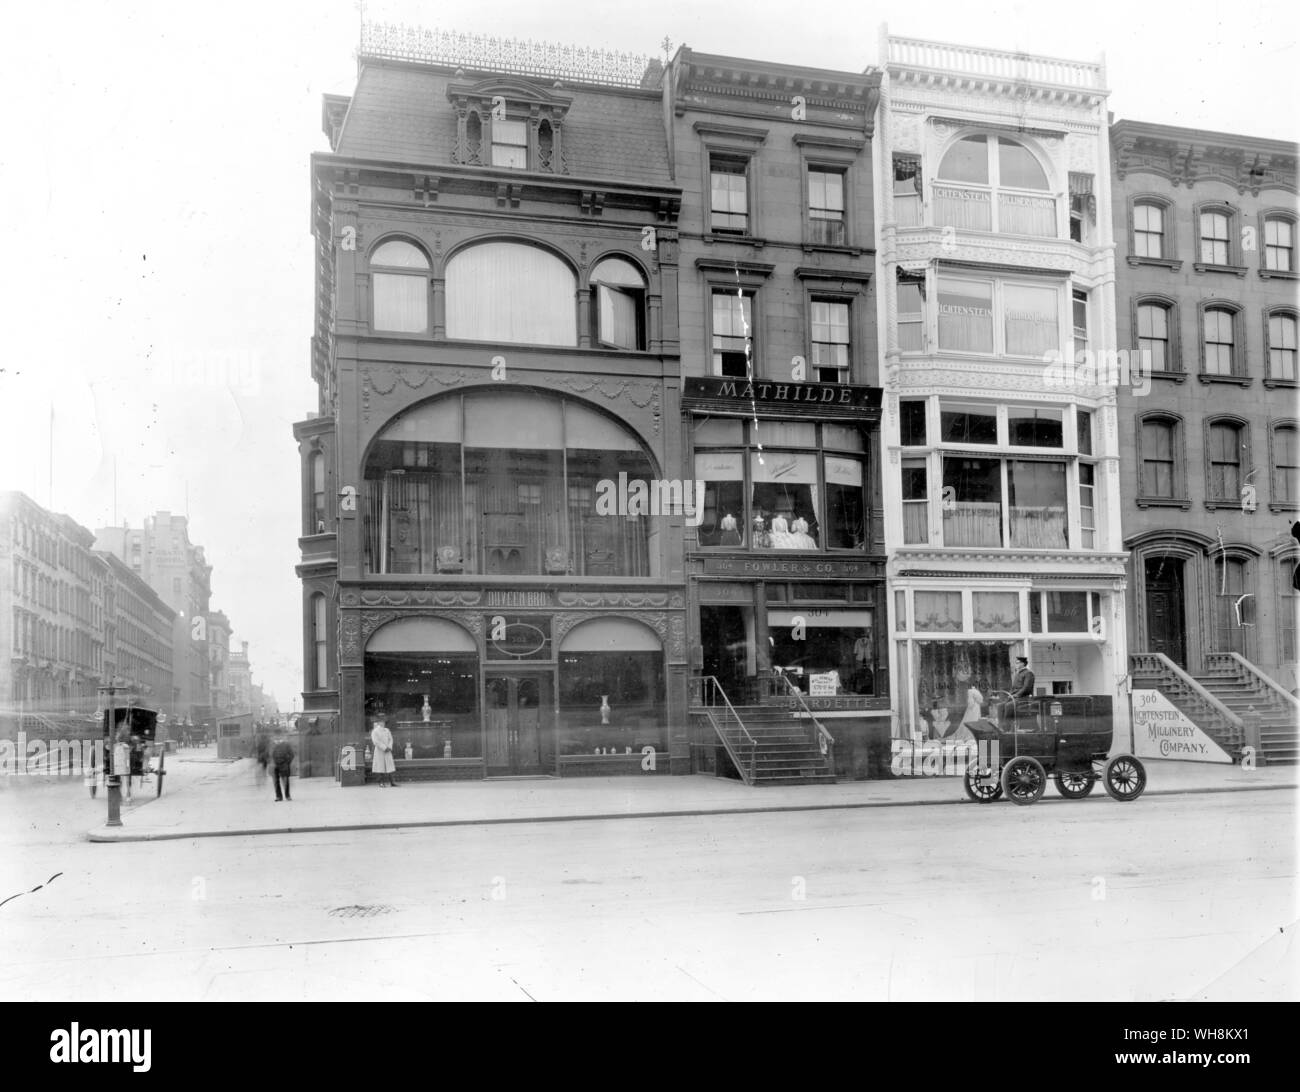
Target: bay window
{"type": "Point", "coordinates": [995, 316]}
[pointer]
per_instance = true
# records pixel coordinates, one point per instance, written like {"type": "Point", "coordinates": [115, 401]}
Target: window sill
{"type": "Point", "coordinates": [1225, 503]}
{"type": "Point", "coordinates": [1211, 267]}
{"type": "Point", "coordinates": [1284, 506]}
{"type": "Point", "coordinates": [1173, 377]}
{"type": "Point", "coordinates": [1164, 502]}
{"type": "Point", "coordinates": [835, 248]}
{"type": "Point", "coordinates": [1174, 264]}
{"type": "Point", "coordinates": [740, 240]}
{"type": "Point", "coordinates": [1270, 383]}
{"type": "Point", "coordinates": [1236, 380]}
{"type": "Point", "coordinates": [1278, 274]}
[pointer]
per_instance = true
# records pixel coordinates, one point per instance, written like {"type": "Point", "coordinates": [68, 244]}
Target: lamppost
{"type": "Point", "coordinates": [112, 778]}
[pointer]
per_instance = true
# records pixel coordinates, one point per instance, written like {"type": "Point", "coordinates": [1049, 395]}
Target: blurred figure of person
{"type": "Point", "coordinates": [263, 751]}
{"type": "Point", "coordinates": [122, 761]}
{"type": "Point", "coordinates": [382, 764]}
{"type": "Point", "coordinates": [282, 761]}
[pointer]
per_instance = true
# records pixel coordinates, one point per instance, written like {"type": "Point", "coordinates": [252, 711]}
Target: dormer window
{"type": "Point", "coordinates": [511, 123]}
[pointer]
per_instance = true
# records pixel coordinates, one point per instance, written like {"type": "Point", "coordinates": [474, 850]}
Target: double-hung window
{"type": "Point", "coordinates": [510, 144]}
{"type": "Point", "coordinates": [831, 358]}
{"type": "Point", "coordinates": [1216, 240]}
{"type": "Point", "coordinates": [826, 206]}
{"type": "Point", "coordinates": [1279, 244]}
{"type": "Point", "coordinates": [733, 324]}
{"type": "Point", "coordinates": [729, 195]}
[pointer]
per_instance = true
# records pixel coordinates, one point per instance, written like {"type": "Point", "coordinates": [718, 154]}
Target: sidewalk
{"type": "Point", "coordinates": [209, 799]}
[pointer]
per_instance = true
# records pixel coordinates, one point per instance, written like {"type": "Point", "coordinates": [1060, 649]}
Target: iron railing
{"type": "Point", "coordinates": [825, 741]}
{"type": "Point", "coordinates": [1179, 686]}
{"type": "Point", "coordinates": [707, 697]}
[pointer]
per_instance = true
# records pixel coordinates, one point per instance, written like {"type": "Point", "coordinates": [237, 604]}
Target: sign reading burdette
{"type": "Point", "coordinates": [1160, 730]}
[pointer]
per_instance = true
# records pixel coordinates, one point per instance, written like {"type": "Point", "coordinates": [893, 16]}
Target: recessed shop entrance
{"type": "Point", "coordinates": [519, 711]}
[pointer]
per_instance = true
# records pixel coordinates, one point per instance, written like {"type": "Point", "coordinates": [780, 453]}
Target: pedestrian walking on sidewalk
{"type": "Point", "coordinates": [282, 760]}
{"type": "Point", "coordinates": [263, 755]}
{"type": "Point", "coordinates": [122, 762]}
{"type": "Point", "coordinates": [382, 764]}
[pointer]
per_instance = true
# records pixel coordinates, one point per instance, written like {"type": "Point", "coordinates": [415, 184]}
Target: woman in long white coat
{"type": "Point", "coordinates": [381, 762]}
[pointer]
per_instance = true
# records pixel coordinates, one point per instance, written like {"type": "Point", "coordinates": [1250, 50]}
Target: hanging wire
{"type": "Point", "coordinates": [749, 365]}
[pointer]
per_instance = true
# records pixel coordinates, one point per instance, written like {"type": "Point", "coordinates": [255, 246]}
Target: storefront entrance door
{"type": "Point", "coordinates": [519, 716]}
{"type": "Point", "coordinates": [1166, 630]}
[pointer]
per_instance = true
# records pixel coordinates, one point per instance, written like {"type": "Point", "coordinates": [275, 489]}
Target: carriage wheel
{"type": "Point", "coordinates": [1074, 786]}
{"type": "Point", "coordinates": [982, 792]}
{"type": "Point", "coordinates": [1125, 778]}
{"type": "Point", "coordinates": [1024, 780]}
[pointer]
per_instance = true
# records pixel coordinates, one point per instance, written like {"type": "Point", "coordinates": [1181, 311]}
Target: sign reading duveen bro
{"type": "Point", "coordinates": [1160, 730]}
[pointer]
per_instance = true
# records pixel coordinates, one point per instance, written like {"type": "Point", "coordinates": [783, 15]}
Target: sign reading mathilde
{"type": "Point", "coordinates": [774, 395]}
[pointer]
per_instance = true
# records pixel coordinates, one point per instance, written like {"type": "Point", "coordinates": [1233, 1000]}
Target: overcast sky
{"type": "Point", "coordinates": [158, 287]}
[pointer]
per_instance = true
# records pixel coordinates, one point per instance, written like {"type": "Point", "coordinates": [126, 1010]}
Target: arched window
{"type": "Point", "coordinates": [400, 281]}
{"type": "Point", "coordinates": [1160, 467]}
{"type": "Point", "coordinates": [1279, 244]}
{"type": "Point", "coordinates": [509, 482]}
{"type": "Point", "coordinates": [511, 292]}
{"type": "Point", "coordinates": [320, 642]}
{"type": "Point", "coordinates": [1282, 345]}
{"type": "Point", "coordinates": [1215, 239]}
{"type": "Point", "coordinates": [317, 494]}
{"type": "Point", "coordinates": [988, 183]}
{"type": "Point", "coordinates": [1285, 458]}
{"type": "Point", "coordinates": [618, 304]}
{"type": "Point", "coordinates": [1226, 454]}
{"type": "Point", "coordinates": [1150, 230]}
{"type": "Point", "coordinates": [1155, 331]}
{"type": "Point", "coordinates": [1220, 342]}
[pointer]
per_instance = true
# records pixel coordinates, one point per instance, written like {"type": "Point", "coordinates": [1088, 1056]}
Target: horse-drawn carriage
{"type": "Point", "coordinates": [1067, 737]}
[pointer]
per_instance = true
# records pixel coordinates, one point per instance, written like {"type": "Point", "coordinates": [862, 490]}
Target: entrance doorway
{"type": "Point", "coordinates": [1165, 599]}
{"type": "Point", "coordinates": [725, 646]}
{"type": "Point", "coordinates": [519, 720]}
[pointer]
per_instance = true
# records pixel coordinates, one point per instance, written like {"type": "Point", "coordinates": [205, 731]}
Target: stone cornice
{"type": "Point", "coordinates": [1189, 156]}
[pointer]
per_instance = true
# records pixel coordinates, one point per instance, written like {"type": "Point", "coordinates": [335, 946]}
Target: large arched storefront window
{"type": "Point", "coordinates": [611, 689]}
{"type": "Point", "coordinates": [504, 483]}
{"type": "Point", "coordinates": [414, 661]}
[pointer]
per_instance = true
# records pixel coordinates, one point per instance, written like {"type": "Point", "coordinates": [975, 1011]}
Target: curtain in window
{"type": "Point", "coordinates": [401, 303]}
{"type": "Point", "coordinates": [1019, 214]}
{"type": "Point", "coordinates": [946, 670]}
{"type": "Point", "coordinates": [511, 292]}
{"type": "Point", "coordinates": [966, 315]}
{"type": "Point", "coordinates": [963, 208]}
{"type": "Point", "coordinates": [916, 522]}
{"type": "Point", "coordinates": [723, 475]}
{"type": "Point", "coordinates": [1037, 504]}
{"type": "Point", "coordinates": [846, 516]}
{"type": "Point", "coordinates": [997, 611]}
{"type": "Point", "coordinates": [785, 515]}
{"type": "Point", "coordinates": [1032, 319]}
{"type": "Point", "coordinates": [972, 502]}
{"type": "Point", "coordinates": [937, 610]}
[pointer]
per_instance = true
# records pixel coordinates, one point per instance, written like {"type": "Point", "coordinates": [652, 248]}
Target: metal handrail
{"type": "Point", "coordinates": [1253, 672]}
{"type": "Point", "coordinates": [717, 691]}
{"type": "Point", "coordinates": [1171, 668]}
{"type": "Point", "coordinates": [829, 739]}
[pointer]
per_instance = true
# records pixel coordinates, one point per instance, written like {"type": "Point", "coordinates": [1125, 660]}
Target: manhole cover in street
{"type": "Point", "coordinates": [359, 911]}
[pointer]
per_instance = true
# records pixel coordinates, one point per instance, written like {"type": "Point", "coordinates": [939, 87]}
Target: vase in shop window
{"type": "Point", "coordinates": [604, 709]}
{"type": "Point", "coordinates": [410, 751]}
{"type": "Point", "coordinates": [426, 711]}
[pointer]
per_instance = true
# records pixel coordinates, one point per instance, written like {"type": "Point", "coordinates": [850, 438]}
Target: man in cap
{"type": "Point", "coordinates": [1022, 686]}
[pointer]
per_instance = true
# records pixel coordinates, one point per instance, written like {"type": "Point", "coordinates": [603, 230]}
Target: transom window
{"type": "Point", "coordinates": [988, 183]}
{"type": "Point", "coordinates": [826, 206]}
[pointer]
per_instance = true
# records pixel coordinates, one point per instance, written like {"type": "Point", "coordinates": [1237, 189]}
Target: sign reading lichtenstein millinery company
{"type": "Point", "coordinates": [772, 396]}
{"type": "Point", "coordinates": [1161, 730]}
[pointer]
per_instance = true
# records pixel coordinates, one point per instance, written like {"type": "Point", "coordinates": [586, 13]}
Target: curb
{"type": "Point", "coordinates": [99, 835]}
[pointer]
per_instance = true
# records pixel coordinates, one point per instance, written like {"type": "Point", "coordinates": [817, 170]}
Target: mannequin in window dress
{"type": "Point", "coordinates": [799, 535]}
{"type": "Point", "coordinates": [974, 699]}
{"type": "Point", "coordinates": [730, 536]}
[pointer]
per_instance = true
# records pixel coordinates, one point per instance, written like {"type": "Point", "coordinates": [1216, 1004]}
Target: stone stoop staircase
{"type": "Point", "coordinates": [1240, 689]}
{"type": "Point", "coordinates": [788, 752]}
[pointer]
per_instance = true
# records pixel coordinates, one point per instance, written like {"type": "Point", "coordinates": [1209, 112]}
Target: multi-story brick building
{"type": "Point", "coordinates": [161, 553]}
{"type": "Point", "coordinates": [781, 399]}
{"type": "Point", "coordinates": [51, 610]}
{"type": "Point", "coordinates": [1001, 476]}
{"type": "Point", "coordinates": [138, 634]}
{"type": "Point", "coordinates": [1205, 225]}
{"type": "Point", "coordinates": [496, 345]}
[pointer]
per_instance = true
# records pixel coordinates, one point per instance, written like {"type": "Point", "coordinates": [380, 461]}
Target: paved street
{"type": "Point", "coordinates": [1172, 897]}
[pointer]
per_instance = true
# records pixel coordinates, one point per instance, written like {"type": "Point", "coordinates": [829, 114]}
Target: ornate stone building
{"type": "Point", "coordinates": [1001, 475]}
{"type": "Point", "coordinates": [496, 353]}
{"type": "Point", "coordinates": [1205, 230]}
